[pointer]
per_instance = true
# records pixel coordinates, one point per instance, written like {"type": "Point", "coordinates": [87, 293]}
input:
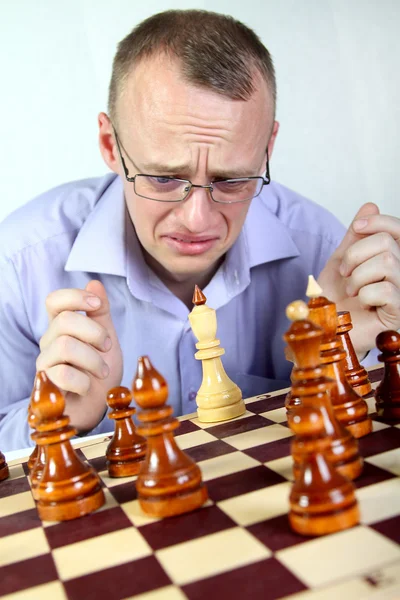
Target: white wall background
{"type": "Point", "coordinates": [338, 72]}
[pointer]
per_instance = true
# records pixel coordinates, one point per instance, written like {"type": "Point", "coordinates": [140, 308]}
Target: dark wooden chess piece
{"type": "Point", "coordinates": [310, 389]}
{"type": "Point", "coordinates": [35, 453]}
{"type": "Point", "coordinates": [169, 482]}
{"type": "Point", "coordinates": [387, 394]}
{"type": "Point", "coordinates": [126, 450]}
{"type": "Point", "coordinates": [36, 460]}
{"type": "Point", "coordinates": [68, 488]}
{"type": "Point", "coordinates": [356, 375]}
{"type": "Point", "coordinates": [322, 500]}
{"type": "Point", "coordinates": [4, 470]}
{"type": "Point", "coordinates": [350, 408]}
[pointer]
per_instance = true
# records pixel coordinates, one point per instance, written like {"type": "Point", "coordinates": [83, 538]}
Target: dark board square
{"type": "Point", "coordinates": [372, 474]}
{"type": "Point", "coordinates": [89, 526]}
{"type": "Point", "coordinates": [276, 533]}
{"type": "Point", "coordinates": [124, 492]}
{"type": "Point", "coordinates": [116, 583]}
{"type": "Point", "coordinates": [9, 487]}
{"type": "Point", "coordinates": [98, 463]}
{"type": "Point", "coordinates": [380, 441]}
{"type": "Point", "coordinates": [376, 374]}
{"type": "Point", "coordinates": [270, 451]}
{"type": "Point", "coordinates": [238, 426]}
{"type": "Point", "coordinates": [267, 403]}
{"type": "Point", "coordinates": [389, 527]}
{"type": "Point", "coordinates": [26, 574]}
{"type": "Point", "coordinates": [264, 580]}
{"type": "Point", "coordinates": [189, 526]}
{"type": "Point", "coordinates": [242, 482]}
{"type": "Point", "coordinates": [186, 427]}
{"type": "Point", "coordinates": [21, 521]}
{"type": "Point", "coordinates": [210, 450]}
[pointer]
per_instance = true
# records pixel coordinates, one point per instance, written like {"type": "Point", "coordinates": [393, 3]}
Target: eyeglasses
{"type": "Point", "coordinates": [173, 189]}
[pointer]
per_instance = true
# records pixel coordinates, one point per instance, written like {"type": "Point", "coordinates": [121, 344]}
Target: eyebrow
{"type": "Point", "coordinates": [185, 168]}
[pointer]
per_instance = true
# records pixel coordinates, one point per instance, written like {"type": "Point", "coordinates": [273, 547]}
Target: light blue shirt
{"type": "Point", "coordinates": [81, 230]}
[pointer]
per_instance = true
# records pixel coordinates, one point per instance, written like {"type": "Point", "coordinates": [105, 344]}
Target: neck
{"type": "Point", "coordinates": [182, 288]}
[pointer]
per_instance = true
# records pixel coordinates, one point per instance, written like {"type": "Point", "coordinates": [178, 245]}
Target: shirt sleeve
{"type": "Point", "coordinates": [18, 353]}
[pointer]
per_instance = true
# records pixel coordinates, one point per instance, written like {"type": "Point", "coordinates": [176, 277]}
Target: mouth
{"type": "Point", "coordinates": [189, 245]}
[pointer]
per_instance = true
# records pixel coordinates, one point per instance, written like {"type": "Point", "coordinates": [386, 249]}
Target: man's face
{"type": "Point", "coordinates": [169, 127]}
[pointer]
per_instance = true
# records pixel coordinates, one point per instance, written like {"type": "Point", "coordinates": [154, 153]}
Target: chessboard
{"type": "Point", "coordinates": [238, 545]}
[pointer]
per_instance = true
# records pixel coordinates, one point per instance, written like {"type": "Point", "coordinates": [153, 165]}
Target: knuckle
{"type": "Point", "coordinates": [386, 240]}
{"type": "Point", "coordinates": [388, 258]}
{"type": "Point", "coordinates": [64, 320]}
{"type": "Point", "coordinates": [65, 346]}
{"type": "Point", "coordinates": [49, 300]}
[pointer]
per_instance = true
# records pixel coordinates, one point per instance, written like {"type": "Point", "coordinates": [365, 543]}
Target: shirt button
{"type": "Point", "coordinates": [192, 395]}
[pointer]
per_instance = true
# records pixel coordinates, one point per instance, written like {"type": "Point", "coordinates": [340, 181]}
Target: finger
{"type": "Point", "coordinates": [376, 223]}
{"type": "Point", "coordinates": [368, 247]}
{"type": "Point", "coordinates": [351, 236]}
{"type": "Point", "coordinates": [69, 379]}
{"type": "Point", "coordinates": [70, 299]}
{"type": "Point", "coordinates": [102, 315]}
{"type": "Point", "coordinates": [383, 267]}
{"type": "Point", "coordinates": [382, 295]}
{"type": "Point", "coordinates": [79, 326]}
{"type": "Point", "coordinates": [68, 350]}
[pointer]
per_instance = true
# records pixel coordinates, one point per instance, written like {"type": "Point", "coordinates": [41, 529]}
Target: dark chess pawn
{"type": "Point", "coordinates": [68, 488]}
{"type": "Point", "coordinates": [356, 375]}
{"type": "Point", "coordinates": [350, 408]}
{"type": "Point", "coordinates": [126, 451]}
{"type": "Point", "coordinates": [322, 501]}
{"type": "Point", "coordinates": [311, 389]}
{"type": "Point", "coordinates": [169, 482]}
{"type": "Point", "coordinates": [4, 471]}
{"type": "Point", "coordinates": [387, 394]}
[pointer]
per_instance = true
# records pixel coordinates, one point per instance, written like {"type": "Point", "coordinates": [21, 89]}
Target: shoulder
{"type": "Point", "coordinates": [301, 216]}
{"type": "Point", "coordinates": [58, 212]}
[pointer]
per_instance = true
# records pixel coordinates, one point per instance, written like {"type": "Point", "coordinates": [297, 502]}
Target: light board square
{"type": "Point", "coordinates": [259, 505]}
{"type": "Point", "coordinates": [264, 435]}
{"type": "Point", "coordinates": [210, 555]}
{"type": "Point", "coordinates": [100, 552]}
{"type": "Point", "coordinates": [345, 554]}
{"type": "Point", "coordinates": [226, 464]}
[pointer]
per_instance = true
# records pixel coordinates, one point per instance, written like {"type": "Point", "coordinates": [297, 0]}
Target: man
{"type": "Point", "coordinates": [98, 272]}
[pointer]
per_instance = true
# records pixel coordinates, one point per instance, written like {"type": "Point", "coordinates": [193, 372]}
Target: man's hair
{"type": "Point", "coordinates": [214, 51]}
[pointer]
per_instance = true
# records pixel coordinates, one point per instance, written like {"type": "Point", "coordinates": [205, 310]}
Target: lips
{"type": "Point", "coordinates": [189, 245]}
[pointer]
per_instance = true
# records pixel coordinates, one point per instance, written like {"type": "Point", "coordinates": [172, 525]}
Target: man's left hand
{"type": "Point", "coordinates": [363, 276]}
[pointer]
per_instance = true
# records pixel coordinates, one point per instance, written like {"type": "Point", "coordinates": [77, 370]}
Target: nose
{"type": "Point", "coordinates": [198, 210]}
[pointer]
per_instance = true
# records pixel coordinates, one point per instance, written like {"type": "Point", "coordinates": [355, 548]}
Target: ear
{"type": "Point", "coordinates": [107, 143]}
{"type": "Point", "coordinates": [272, 139]}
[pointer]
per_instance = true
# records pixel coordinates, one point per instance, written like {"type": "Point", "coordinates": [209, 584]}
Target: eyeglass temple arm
{"type": "Point", "coordinates": [122, 158]}
{"type": "Point", "coordinates": [267, 178]}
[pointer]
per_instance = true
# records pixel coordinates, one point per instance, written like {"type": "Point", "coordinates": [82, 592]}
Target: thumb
{"type": "Point", "coordinates": [351, 235]}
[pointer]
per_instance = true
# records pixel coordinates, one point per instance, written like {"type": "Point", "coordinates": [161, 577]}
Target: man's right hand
{"type": "Point", "coordinates": [80, 353]}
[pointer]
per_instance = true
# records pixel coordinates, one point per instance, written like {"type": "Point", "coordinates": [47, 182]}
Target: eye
{"type": "Point", "coordinates": [161, 180]}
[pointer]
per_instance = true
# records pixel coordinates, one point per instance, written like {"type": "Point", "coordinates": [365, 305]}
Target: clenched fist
{"type": "Point", "coordinates": [80, 353]}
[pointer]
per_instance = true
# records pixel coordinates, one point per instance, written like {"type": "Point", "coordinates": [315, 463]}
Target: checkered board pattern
{"type": "Point", "coordinates": [239, 545]}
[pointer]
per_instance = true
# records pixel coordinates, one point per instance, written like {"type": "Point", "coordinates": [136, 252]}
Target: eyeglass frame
{"type": "Point", "coordinates": [265, 180]}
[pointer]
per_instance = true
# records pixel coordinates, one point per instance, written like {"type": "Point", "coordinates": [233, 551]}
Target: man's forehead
{"type": "Point", "coordinates": [156, 85]}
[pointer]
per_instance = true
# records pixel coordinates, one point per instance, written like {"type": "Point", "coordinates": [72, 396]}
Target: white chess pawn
{"type": "Point", "coordinates": [218, 398]}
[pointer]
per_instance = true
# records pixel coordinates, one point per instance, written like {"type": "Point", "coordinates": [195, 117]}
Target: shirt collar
{"type": "Point", "coordinates": [107, 243]}
{"type": "Point", "coordinates": [99, 246]}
